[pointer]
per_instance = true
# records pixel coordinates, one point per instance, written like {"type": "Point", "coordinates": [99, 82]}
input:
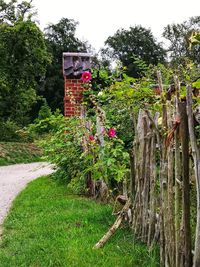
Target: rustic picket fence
{"type": "Point", "coordinates": [165, 165]}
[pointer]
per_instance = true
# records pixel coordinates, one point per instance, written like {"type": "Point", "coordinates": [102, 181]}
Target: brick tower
{"type": "Point", "coordinates": [74, 64]}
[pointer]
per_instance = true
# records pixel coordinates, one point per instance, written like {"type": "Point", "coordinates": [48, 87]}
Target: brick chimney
{"type": "Point", "coordinates": [74, 64]}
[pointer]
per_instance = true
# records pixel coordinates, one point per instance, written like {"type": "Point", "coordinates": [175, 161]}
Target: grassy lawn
{"type": "Point", "coordinates": [14, 152]}
{"type": "Point", "coordinates": [48, 227]}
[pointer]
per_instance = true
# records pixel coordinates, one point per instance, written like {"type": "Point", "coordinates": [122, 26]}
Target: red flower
{"type": "Point", "coordinates": [86, 76]}
{"type": "Point", "coordinates": [91, 137]}
{"type": "Point", "coordinates": [111, 132]}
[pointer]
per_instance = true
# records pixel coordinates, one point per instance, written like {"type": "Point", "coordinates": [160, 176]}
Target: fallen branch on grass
{"type": "Point", "coordinates": [115, 226]}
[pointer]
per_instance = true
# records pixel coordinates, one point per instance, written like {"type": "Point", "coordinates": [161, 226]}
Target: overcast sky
{"type": "Point", "coordinates": [102, 18]}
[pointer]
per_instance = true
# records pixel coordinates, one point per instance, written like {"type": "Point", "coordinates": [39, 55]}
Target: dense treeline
{"type": "Point", "coordinates": [31, 60]}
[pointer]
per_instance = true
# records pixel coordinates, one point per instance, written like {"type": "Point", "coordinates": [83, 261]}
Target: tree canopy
{"type": "Point", "coordinates": [133, 45]}
{"type": "Point", "coordinates": [13, 11]}
{"type": "Point", "coordinates": [178, 37]}
{"type": "Point", "coordinates": [24, 58]}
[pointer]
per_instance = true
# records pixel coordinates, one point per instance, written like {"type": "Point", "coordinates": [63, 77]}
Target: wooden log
{"type": "Point", "coordinates": [114, 227]}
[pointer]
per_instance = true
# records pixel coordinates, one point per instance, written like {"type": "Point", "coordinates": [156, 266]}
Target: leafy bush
{"type": "Point", "coordinates": [45, 123]}
{"type": "Point", "coordinates": [9, 131]}
{"type": "Point", "coordinates": [62, 146]}
{"type": "Point", "coordinates": [45, 111]}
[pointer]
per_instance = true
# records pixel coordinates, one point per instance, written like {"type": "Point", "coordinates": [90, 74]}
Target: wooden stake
{"type": "Point", "coordinates": [170, 205]}
{"type": "Point", "coordinates": [114, 227]}
{"type": "Point", "coordinates": [196, 158]}
{"type": "Point", "coordinates": [163, 178]}
{"type": "Point", "coordinates": [184, 133]}
{"type": "Point", "coordinates": [177, 177]}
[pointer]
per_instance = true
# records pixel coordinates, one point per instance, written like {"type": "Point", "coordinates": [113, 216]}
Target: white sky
{"type": "Point", "coordinates": [100, 19]}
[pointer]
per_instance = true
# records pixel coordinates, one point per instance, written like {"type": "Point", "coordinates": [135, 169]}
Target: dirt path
{"type": "Point", "coordinates": [14, 178]}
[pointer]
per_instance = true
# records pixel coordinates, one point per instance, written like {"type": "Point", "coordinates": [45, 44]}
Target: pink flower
{"type": "Point", "coordinates": [111, 132]}
{"type": "Point", "coordinates": [91, 137]}
{"type": "Point", "coordinates": [86, 76]}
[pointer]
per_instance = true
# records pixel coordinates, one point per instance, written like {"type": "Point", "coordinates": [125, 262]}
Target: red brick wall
{"type": "Point", "coordinates": [73, 97]}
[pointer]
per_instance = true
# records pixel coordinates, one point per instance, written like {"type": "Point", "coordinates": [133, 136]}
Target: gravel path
{"type": "Point", "coordinates": [14, 178]}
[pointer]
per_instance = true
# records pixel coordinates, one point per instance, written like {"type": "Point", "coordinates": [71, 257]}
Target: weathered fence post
{"type": "Point", "coordinates": [177, 175]}
{"type": "Point", "coordinates": [196, 158]}
{"type": "Point", "coordinates": [184, 135]}
{"type": "Point", "coordinates": [163, 179]}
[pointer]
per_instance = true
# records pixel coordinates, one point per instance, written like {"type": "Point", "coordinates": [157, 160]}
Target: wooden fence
{"type": "Point", "coordinates": [165, 170]}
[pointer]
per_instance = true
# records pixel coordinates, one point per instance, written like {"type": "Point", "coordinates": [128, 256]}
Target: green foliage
{"type": "Point", "coordinates": [45, 111]}
{"type": "Point", "coordinates": [194, 39]}
{"type": "Point", "coordinates": [196, 83]}
{"type": "Point", "coordinates": [12, 11]}
{"type": "Point", "coordinates": [109, 162]}
{"type": "Point", "coordinates": [62, 146]}
{"type": "Point", "coordinates": [179, 37]}
{"type": "Point", "coordinates": [121, 102]}
{"type": "Point", "coordinates": [24, 59]}
{"type": "Point", "coordinates": [46, 122]}
{"type": "Point", "coordinates": [136, 48]}
{"type": "Point", "coordinates": [101, 78]}
{"type": "Point", "coordinates": [8, 131]}
{"type": "Point", "coordinates": [63, 142]}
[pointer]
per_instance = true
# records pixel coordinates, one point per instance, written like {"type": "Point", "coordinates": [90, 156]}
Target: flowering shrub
{"type": "Point", "coordinates": [96, 145]}
{"type": "Point", "coordinates": [86, 76]}
{"type": "Point", "coordinates": [108, 161]}
{"type": "Point", "coordinates": [112, 132]}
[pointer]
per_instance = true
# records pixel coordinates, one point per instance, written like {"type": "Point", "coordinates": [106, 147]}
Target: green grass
{"type": "Point", "coordinates": [49, 227]}
{"type": "Point", "coordinates": [14, 152]}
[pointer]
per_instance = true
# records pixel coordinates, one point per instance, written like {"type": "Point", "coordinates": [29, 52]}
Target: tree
{"type": "Point", "coordinates": [178, 36]}
{"type": "Point", "coordinates": [133, 46]}
{"type": "Point", "coordinates": [60, 38]}
{"type": "Point", "coordinates": [12, 11]}
{"type": "Point", "coordinates": [194, 39]}
{"type": "Point", "coordinates": [24, 58]}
